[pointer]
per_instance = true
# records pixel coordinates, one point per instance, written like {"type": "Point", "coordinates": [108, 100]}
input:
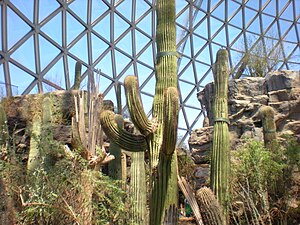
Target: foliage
{"type": "Point", "coordinates": [59, 194]}
{"type": "Point", "coordinates": [255, 171]}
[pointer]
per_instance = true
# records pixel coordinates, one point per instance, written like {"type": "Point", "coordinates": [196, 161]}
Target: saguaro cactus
{"type": "Point", "coordinates": [159, 135]}
{"type": "Point", "coordinates": [220, 151]}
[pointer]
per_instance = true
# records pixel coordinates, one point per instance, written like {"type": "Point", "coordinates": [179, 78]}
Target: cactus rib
{"type": "Point", "coordinates": [170, 120]}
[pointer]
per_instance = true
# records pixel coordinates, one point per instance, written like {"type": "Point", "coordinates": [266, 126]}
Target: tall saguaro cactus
{"type": "Point", "coordinates": [220, 151]}
{"type": "Point", "coordinates": [158, 135]}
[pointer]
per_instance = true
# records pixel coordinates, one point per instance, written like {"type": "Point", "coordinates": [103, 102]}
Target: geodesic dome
{"type": "Point", "coordinates": [42, 40]}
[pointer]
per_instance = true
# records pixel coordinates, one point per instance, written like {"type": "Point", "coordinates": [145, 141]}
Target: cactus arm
{"type": "Point", "coordinates": [170, 121]}
{"type": "Point", "coordinates": [77, 75]}
{"type": "Point", "coordinates": [121, 137]}
{"type": "Point", "coordinates": [220, 152]}
{"type": "Point", "coordinates": [137, 113]}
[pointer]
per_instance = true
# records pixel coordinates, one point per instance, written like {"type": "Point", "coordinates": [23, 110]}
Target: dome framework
{"type": "Point", "coordinates": [42, 40]}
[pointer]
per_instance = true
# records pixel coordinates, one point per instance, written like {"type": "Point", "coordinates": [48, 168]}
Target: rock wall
{"type": "Point", "coordinates": [279, 89]}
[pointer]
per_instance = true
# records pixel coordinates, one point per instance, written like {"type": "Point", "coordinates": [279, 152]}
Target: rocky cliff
{"type": "Point", "coordinates": [279, 89]}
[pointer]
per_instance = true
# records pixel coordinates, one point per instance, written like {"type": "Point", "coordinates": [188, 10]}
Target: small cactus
{"type": "Point", "coordinates": [211, 211]}
{"type": "Point", "coordinates": [266, 114]}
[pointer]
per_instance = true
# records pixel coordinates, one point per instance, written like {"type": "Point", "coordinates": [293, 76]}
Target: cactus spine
{"type": "Point", "coordinates": [220, 152]}
{"type": "Point", "coordinates": [210, 208]}
{"type": "Point", "coordinates": [159, 134]}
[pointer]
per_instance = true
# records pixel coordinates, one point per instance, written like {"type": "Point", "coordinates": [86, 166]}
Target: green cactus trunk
{"type": "Point", "coordinates": [220, 152]}
{"type": "Point", "coordinates": [138, 191]}
{"type": "Point", "coordinates": [210, 208]}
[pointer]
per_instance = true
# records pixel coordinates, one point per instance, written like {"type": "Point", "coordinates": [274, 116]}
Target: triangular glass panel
{"type": "Point", "coordinates": [187, 72]}
{"type": "Point", "coordinates": [182, 119]}
{"type": "Point", "coordinates": [198, 15]}
{"type": "Point", "coordinates": [98, 8]}
{"type": "Point", "coordinates": [201, 29]}
{"type": "Point", "coordinates": [185, 88]}
{"type": "Point", "coordinates": [125, 8]}
{"type": "Point", "coordinates": [143, 73]}
{"type": "Point", "coordinates": [292, 35]}
{"type": "Point", "coordinates": [184, 62]}
{"type": "Point", "coordinates": [147, 57]}
{"type": "Point", "coordinates": [204, 56]}
{"type": "Point", "coordinates": [237, 19]}
{"type": "Point", "coordinates": [186, 47]}
{"type": "Point", "coordinates": [45, 9]}
{"type": "Point", "coordinates": [192, 114]}
{"type": "Point", "coordinates": [141, 41]}
{"type": "Point", "coordinates": [105, 65]}
{"type": "Point", "coordinates": [249, 15]}
{"type": "Point", "coordinates": [149, 88]}
{"type": "Point", "coordinates": [282, 4]}
{"type": "Point", "coordinates": [20, 80]}
{"type": "Point", "coordinates": [221, 38]}
{"type": "Point", "coordinates": [74, 28]}
{"type": "Point", "coordinates": [80, 49]}
{"type": "Point", "coordinates": [129, 71]}
{"type": "Point", "coordinates": [284, 26]}
{"type": "Point", "coordinates": [183, 17]}
{"type": "Point", "coordinates": [80, 9]}
{"type": "Point", "coordinates": [47, 52]}
{"type": "Point", "coordinates": [145, 25]}
{"type": "Point", "coordinates": [120, 26]}
{"type": "Point", "coordinates": [141, 8]}
{"type": "Point", "coordinates": [254, 26]}
{"type": "Point", "coordinates": [233, 32]}
{"type": "Point", "coordinates": [26, 9]}
{"type": "Point", "coordinates": [147, 103]}
{"type": "Point", "coordinates": [201, 70]}
{"type": "Point", "coordinates": [270, 8]}
{"type": "Point", "coordinates": [16, 28]}
{"type": "Point", "coordinates": [121, 61]}
{"type": "Point", "coordinates": [181, 6]}
{"type": "Point", "coordinates": [232, 8]}
{"type": "Point", "coordinates": [219, 12]}
{"type": "Point", "coordinates": [125, 44]}
{"type": "Point", "coordinates": [98, 47]}
{"type": "Point", "coordinates": [267, 20]}
{"type": "Point", "coordinates": [103, 27]}
{"type": "Point", "coordinates": [56, 75]}
{"type": "Point", "coordinates": [107, 87]}
{"type": "Point", "coordinates": [53, 28]}
{"type": "Point", "coordinates": [254, 4]}
{"type": "Point", "coordinates": [25, 54]}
